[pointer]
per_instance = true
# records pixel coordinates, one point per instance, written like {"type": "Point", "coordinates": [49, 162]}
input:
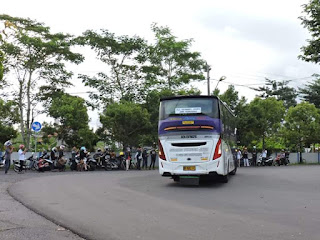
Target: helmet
{"type": "Point", "coordinates": [21, 146]}
{"type": "Point", "coordinates": [54, 149]}
{"type": "Point", "coordinates": [83, 148]}
{"type": "Point", "coordinates": [121, 153]}
{"type": "Point", "coordinates": [8, 143]}
{"type": "Point", "coordinates": [99, 150]}
{"type": "Point", "coordinates": [62, 147]}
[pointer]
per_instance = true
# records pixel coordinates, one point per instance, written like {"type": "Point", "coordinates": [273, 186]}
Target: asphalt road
{"type": "Point", "coordinates": [19, 223]}
{"type": "Point", "coordinates": [257, 204]}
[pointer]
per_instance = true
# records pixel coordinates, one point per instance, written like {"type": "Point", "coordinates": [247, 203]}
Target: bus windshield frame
{"type": "Point", "coordinates": [206, 106]}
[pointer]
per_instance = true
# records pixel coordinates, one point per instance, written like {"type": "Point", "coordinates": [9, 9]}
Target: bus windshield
{"type": "Point", "coordinates": [189, 106]}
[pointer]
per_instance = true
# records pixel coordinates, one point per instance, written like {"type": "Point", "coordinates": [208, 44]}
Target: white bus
{"type": "Point", "coordinates": [195, 138]}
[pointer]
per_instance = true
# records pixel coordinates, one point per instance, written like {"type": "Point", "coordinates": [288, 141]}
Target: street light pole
{"type": "Point", "coordinates": [220, 80]}
{"type": "Point", "coordinates": [208, 68]}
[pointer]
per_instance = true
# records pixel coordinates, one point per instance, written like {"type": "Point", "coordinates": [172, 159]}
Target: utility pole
{"type": "Point", "coordinates": [208, 68]}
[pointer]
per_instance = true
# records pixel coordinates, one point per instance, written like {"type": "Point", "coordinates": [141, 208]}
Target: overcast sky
{"type": "Point", "coordinates": [246, 40]}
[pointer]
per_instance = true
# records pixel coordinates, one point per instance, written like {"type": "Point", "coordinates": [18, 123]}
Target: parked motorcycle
{"type": "Point", "coordinates": [281, 160]}
{"type": "Point", "coordinates": [265, 162]}
{"type": "Point", "coordinates": [91, 163]}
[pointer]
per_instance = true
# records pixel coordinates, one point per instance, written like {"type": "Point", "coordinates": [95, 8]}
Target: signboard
{"type": "Point", "coordinates": [188, 110]}
{"type": "Point", "coordinates": [36, 126]}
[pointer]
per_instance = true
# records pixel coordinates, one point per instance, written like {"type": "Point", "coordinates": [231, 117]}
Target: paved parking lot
{"type": "Point", "coordinates": [258, 203]}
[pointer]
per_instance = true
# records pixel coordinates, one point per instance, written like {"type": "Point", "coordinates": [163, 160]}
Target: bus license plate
{"type": "Point", "coordinates": [189, 168]}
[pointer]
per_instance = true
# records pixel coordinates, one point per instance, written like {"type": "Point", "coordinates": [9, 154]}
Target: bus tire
{"type": "Point", "coordinates": [224, 178]}
{"type": "Point", "coordinates": [233, 172]}
{"type": "Point", "coordinates": [176, 178]}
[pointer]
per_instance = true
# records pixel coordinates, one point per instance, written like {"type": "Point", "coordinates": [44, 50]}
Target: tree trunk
{"type": "Point", "coordinates": [21, 112]}
{"type": "Point", "coordinates": [28, 122]}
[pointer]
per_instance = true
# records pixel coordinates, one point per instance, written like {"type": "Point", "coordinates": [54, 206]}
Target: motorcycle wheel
{"type": "Point", "coordinates": [92, 167]}
{"type": "Point", "coordinates": [15, 168]}
{"type": "Point", "coordinates": [108, 167]}
{"type": "Point", "coordinates": [259, 164]}
{"type": "Point", "coordinates": [35, 166]}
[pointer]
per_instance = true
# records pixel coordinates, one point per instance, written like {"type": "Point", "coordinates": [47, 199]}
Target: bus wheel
{"type": "Point", "coordinates": [176, 178]}
{"type": "Point", "coordinates": [224, 179]}
{"type": "Point", "coordinates": [233, 172]}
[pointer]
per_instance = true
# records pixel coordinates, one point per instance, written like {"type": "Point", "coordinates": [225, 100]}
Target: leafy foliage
{"type": "Point", "coordinates": [72, 115]}
{"type": "Point", "coordinates": [311, 92]}
{"type": "Point", "coordinates": [311, 21]}
{"type": "Point", "coordinates": [301, 126]}
{"type": "Point", "coordinates": [171, 63]}
{"type": "Point", "coordinates": [126, 122]}
{"type": "Point", "coordinates": [280, 90]}
{"type": "Point", "coordinates": [121, 54]}
{"type": "Point", "coordinates": [37, 57]}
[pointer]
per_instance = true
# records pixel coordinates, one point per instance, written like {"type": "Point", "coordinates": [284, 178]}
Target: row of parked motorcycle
{"type": "Point", "coordinates": [269, 161]}
{"type": "Point", "coordinates": [99, 160]}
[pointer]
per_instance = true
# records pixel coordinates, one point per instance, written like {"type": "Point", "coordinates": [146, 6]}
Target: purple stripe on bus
{"type": "Point", "coordinates": [198, 121]}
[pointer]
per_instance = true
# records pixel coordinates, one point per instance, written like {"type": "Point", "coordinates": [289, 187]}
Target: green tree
{"type": "Point", "coordinates": [311, 92]}
{"type": "Point", "coordinates": [280, 90]}
{"type": "Point", "coordinates": [38, 58]}
{"type": "Point", "coordinates": [230, 97]}
{"type": "Point", "coordinates": [121, 54]}
{"type": "Point", "coordinates": [301, 128]}
{"type": "Point", "coordinates": [73, 118]}
{"type": "Point", "coordinates": [9, 116]}
{"type": "Point", "coordinates": [126, 122]}
{"type": "Point", "coordinates": [264, 117]}
{"type": "Point", "coordinates": [311, 21]}
{"type": "Point", "coordinates": [170, 63]}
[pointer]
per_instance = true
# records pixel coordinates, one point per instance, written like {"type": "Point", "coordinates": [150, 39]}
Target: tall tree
{"type": "Point", "coordinates": [170, 63]}
{"type": "Point", "coordinates": [301, 128]}
{"type": "Point", "coordinates": [280, 90]}
{"type": "Point", "coordinates": [230, 97]}
{"type": "Point", "coordinates": [311, 21]}
{"type": "Point", "coordinates": [9, 116]}
{"type": "Point", "coordinates": [265, 117]}
{"type": "Point", "coordinates": [71, 113]}
{"type": "Point", "coordinates": [121, 78]}
{"type": "Point", "coordinates": [311, 92]}
{"type": "Point", "coordinates": [126, 122]}
{"type": "Point", "coordinates": [38, 58]}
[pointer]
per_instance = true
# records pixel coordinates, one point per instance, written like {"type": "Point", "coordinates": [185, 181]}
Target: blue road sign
{"type": "Point", "coordinates": [36, 126]}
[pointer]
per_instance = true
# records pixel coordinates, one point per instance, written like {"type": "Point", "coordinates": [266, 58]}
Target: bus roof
{"type": "Point", "coordinates": [189, 96]}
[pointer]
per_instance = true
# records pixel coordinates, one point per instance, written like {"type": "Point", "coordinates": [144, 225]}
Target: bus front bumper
{"type": "Point", "coordinates": [167, 169]}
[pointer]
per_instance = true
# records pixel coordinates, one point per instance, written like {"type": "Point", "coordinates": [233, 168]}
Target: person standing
{"type": "Point", "coordinates": [245, 158]}
{"type": "Point", "coordinates": [8, 151]}
{"type": "Point", "coordinates": [22, 156]}
{"type": "Point", "coordinates": [145, 156]}
{"type": "Point", "coordinates": [138, 157]}
{"type": "Point", "coordinates": [238, 156]}
{"type": "Point", "coordinates": [264, 156]}
{"type": "Point", "coordinates": [254, 156]}
{"type": "Point", "coordinates": [128, 160]}
{"type": "Point", "coordinates": [153, 154]}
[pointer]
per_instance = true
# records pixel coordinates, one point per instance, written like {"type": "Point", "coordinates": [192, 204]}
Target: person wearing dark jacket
{"type": "Point", "coordinates": [145, 156]}
{"type": "Point", "coordinates": [138, 157]}
{"type": "Point", "coordinates": [153, 154]}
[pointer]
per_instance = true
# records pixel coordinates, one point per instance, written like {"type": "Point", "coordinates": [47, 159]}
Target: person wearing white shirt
{"type": "Point", "coordinates": [22, 156]}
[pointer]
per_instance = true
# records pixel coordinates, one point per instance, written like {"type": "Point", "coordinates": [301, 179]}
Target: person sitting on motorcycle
{"type": "Point", "coordinates": [61, 161]}
{"type": "Point", "coordinates": [53, 156]}
{"type": "Point", "coordinates": [283, 157]}
{"type": "Point", "coordinates": [22, 156]}
{"type": "Point", "coordinates": [98, 156]}
{"type": "Point", "coordinates": [83, 159]}
{"type": "Point", "coordinates": [122, 160]}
